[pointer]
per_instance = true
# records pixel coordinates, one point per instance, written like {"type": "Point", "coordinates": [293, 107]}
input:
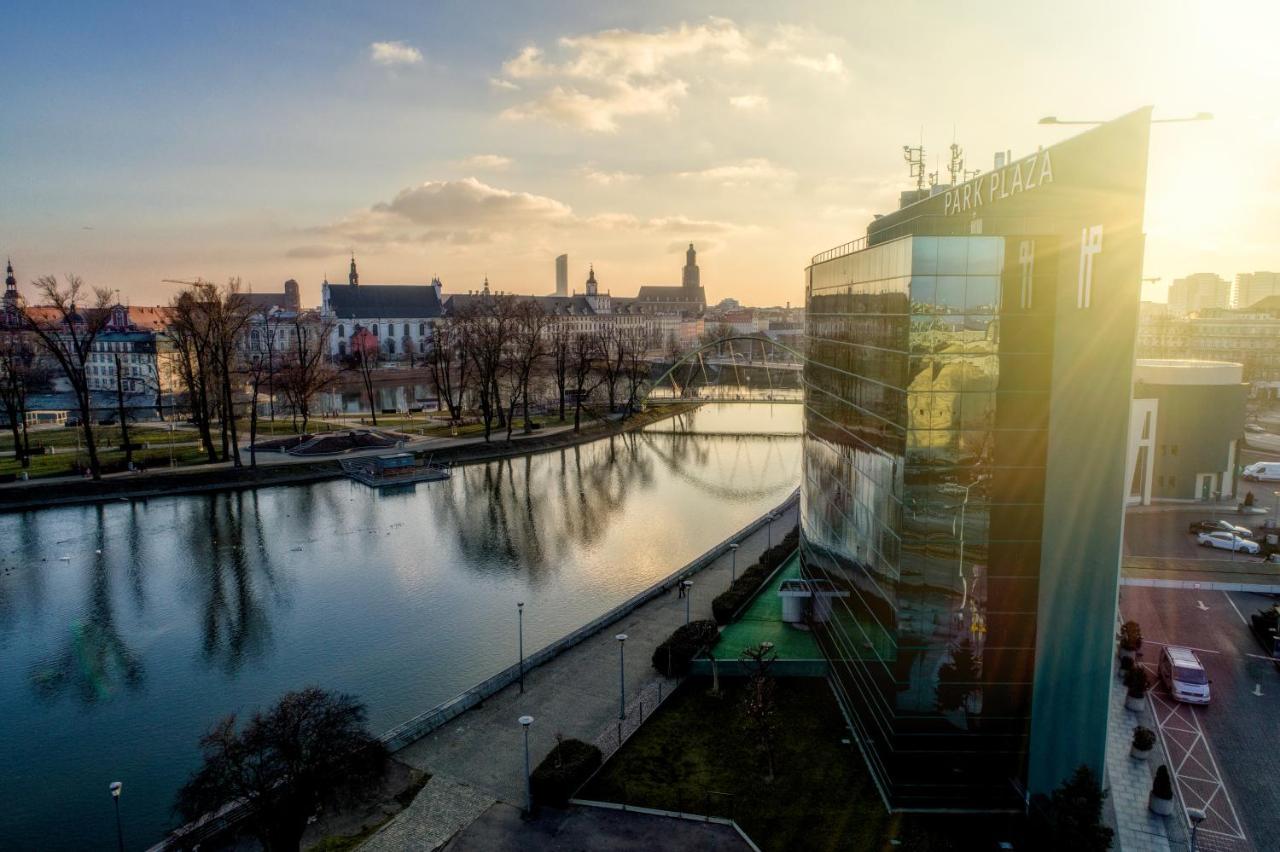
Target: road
{"type": "Point", "coordinates": [1223, 754]}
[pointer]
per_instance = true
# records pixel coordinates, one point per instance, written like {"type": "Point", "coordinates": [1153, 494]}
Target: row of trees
{"type": "Point", "coordinates": [492, 356]}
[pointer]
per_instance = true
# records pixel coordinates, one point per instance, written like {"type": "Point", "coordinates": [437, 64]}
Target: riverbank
{"type": "Point", "coordinates": [282, 469]}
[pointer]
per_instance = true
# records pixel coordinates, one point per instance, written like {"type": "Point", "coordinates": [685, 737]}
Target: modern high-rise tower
{"type": "Point", "coordinates": [967, 401]}
{"type": "Point", "coordinates": [562, 275]}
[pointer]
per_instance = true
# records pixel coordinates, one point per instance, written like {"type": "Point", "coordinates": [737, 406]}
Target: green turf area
{"type": "Point", "coordinates": [61, 464]}
{"type": "Point", "coordinates": [697, 754]}
{"type": "Point", "coordinates": [762, 622]}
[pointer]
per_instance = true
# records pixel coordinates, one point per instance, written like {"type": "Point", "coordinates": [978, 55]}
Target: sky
{"type": "Point", "coordinates": [146, 141]}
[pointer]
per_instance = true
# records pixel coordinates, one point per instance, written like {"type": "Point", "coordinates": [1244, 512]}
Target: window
{"type": "Point", "coordinates": [391, 346]}
{"type": "Point", "coordinates": [374, 329]}
{"type": "Point", "coordinates": [422, 328]}
{"type": "Point", "coordinates": [342, 330]}
{"type": "Point", "coordinates": [406, 329]}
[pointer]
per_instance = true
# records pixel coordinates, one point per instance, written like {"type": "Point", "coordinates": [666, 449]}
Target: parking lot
{"type": "Point", "coordinates": [1223, 755]}
{"type": "Point", "coordinates": [1163, 533]}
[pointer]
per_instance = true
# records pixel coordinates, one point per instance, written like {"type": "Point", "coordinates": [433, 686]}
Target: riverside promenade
{"type": "Point", "coordinates": [477, 758]}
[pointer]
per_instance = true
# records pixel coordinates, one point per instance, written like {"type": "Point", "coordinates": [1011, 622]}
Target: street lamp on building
{"type": "Point", "coordinates": [525, 722]}
{"type": "Point", "coordinates": [520, 634]}
{"type": "Point", "coordinates": [733, 566]}
{"type": "Point", "coordinates": [688, 593]}
{"type": "Point", "coordinates": [622, 678]}
{"type": "Point", "coordinates": [115, 788]}
{"type": "Point", "coordinates": [1196, 816]}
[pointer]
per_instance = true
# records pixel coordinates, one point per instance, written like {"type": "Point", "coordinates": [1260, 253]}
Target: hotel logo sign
{"type": "Point", "coordinates": [1023, 176]}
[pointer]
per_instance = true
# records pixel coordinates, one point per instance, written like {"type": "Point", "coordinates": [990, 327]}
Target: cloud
{"type": "Point", "coordinates": [748, 103]}
{"type": "Point", "coordinates": [498, 84]}
{"type": "Point", "coordinates": [394, 53]}
{"type": "Point", "coordinates": [745, 172]}
{"type": "Point", "coordinates": [612, 74]}
{"type": "Point", "coordinates": [829, 64]}
{"type": "Point", "coordinates": [486, 162]}
{"type": "Point", "coordinates": [603, 178]}
{"type": "Point", "coordinates": [468, 211]}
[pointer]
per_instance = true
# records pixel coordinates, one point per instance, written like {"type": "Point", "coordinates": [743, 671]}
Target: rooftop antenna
{"type": "Point", "coordinates": [914, 155]}
{"type": "Point", "coordinates": [956, 166]}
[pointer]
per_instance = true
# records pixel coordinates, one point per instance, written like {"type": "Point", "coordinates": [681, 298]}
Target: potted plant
{"type": "Point", "coordinates": [1130, 639]}
{"type": "Point", "coordinates": [1136, 682]}
{"type": "Point", "coordinates": [1144, 740]}
{"type": "Point", "coordinates": [1161, 800]}
{"type": "Point", "coordinates": [1126, 666]}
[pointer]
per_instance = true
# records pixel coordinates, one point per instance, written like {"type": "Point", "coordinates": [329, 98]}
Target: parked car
{"type": "Point", "coordinates": [1228, 541]}
{"type": "Point", "coordinates": [1254, 428]}
{"type": "Point", "coordinates": [1263, 471]}
{"type": "Point", "coordinates": [1183, 675]}
{"type": "Point", "coordinates": [1263, 624]}
{"type": "Point", "coordinates": [1220, 526]}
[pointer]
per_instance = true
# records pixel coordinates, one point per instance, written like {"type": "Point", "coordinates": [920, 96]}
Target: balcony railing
{"type": "Point", "coordinates": [840, 251]}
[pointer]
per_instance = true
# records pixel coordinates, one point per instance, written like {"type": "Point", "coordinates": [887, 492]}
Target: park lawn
{"type": "Point", "coordinates": [820, 798]}
{"type": "Point", "coordinates": [60, 464]}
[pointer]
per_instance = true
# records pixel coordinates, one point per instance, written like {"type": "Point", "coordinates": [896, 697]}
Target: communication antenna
{"type": "Point", "coordinates": [914, 155]}
{"type": "Point", "coordinates": [956, 166]}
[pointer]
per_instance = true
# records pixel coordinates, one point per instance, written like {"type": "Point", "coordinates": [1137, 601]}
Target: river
{"type": "Point", "coordinates": [128, 629]}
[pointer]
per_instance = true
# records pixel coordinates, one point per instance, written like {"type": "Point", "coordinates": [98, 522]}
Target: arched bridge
{"type": "Point", "coordinates": [694, 366]}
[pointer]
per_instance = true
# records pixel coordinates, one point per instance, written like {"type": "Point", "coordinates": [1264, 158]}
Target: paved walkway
{"type": "Point", "coordinates": [440, 810]}
{"type": "Point", "coordinates": [1129, 781]}
{"type": "Point", "coordinates": [575, 694]}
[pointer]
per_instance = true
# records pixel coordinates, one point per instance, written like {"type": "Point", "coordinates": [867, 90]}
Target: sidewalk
{"type": "Point", "coordinates": [574, 694]}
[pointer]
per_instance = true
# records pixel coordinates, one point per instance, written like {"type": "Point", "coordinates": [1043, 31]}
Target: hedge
{"type": "Point", "coordinates": [673, 656]}
{"type": "Point", "coordinates": [563, 771]}
{"type": "Point", "coordinates": [725, 604]}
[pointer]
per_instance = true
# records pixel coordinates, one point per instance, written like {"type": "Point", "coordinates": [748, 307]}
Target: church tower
{"type": "Point", "coordinates": [11, 297]}
{"type": "Point", "coordinates": [592, 286]}
{"type": "Point", "coordinates": [353, 277]}
{"type": "Point", "coordinates": [690, 278]}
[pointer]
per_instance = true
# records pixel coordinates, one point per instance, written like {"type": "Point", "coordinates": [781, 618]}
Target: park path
{"type": "Point", "coordinates": [575, 694]}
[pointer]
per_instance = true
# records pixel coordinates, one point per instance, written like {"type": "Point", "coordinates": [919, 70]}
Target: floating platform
{"type": "Point", "coordinates": [395, 469]}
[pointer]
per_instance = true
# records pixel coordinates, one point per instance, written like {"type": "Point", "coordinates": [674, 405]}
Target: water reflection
{"type": "Point", "coordinates": [171, 612]}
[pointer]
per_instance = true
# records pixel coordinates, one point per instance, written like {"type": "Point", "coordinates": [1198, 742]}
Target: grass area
{"type": "Point", "coordinates": [61, 464]}
{"type": "Point", "coordinates": [699, 747]}
{"type": "Point", "coordinates": [762, 621]}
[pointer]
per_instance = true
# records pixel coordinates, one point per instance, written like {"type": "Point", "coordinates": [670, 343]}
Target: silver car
{"type": "Point", "coordinates": [1227, 541]}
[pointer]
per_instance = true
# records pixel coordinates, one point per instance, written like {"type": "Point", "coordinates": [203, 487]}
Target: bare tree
{"type": "Point", "coordinates": [610, 357]}
{"type": "Point", "coordinates": [191, 331]}
{"type": "Point", "coordinates": [448, 361]}
{"type": "Point", "coordinates": [488, 331]}
{"type": "Point", "coordinates": [20, 373]}
{"type": "Point", "coordinates": [759, 705]}
{"type": "Point", "coordinates": [231, 314]}
{"type": "Point", "coordinates": [123, 414]}
{"type": "Point", "coordinates": [364, 358]}
{"type": "Point", "coordinates": [306, 369]}
{"type": "Point", "coordinates": [285, 764]}
{"type": "Point", "coordinates": [560, 346]}
{"type": "Point", "coordinates": [526, 348]}
{"type": "Point", "coordinates": [635, 344]}
{"type": "Point", "coordinates": [583, 372]}
{"type": "Point", "coordinates": [67, 331]}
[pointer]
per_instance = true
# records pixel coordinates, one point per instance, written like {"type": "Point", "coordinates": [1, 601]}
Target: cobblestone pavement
{"type": "Point", "coordinates": [1129, 781]}
{"type": "Point", "coordinates": [440, 810]}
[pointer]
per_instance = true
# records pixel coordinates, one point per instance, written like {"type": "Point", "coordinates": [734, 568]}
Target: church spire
{"type": "Point", "coordinates": [353, 277]}
{"type": "Point", "coordinates": [10, 285]}
{"type": "Point", "coordinates": [690, 278]}
{"type": "Point", "coordinates": [592, 286]}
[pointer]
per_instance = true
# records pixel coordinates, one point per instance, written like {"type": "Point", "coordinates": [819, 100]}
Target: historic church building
{"type": "Point", "coordinates": [689, 299]}
{"type": "Point", "coordinates": [400, 316]}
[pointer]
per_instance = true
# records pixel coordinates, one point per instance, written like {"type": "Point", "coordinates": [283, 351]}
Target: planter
{"type": "Point", "coordinates": [1139, 753]}
{"type": "Point", "coordinates": [1137, 705]}
{"type": "Point", "coordinates": [1126, 654]}
{"type": "Point", "coordinates": [1159, 806]}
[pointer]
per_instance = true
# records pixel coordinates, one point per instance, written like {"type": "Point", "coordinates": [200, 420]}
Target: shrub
{"type": "Point", "coordinates": [725, 604]}
{"type": "Point", "coordinates": [1144, 739]}
{"type": "Point", "coordinates": [1162, 787]}
{"type": "Point", "coordinates": [1126, 664]}
{"type": "Point", "coordinates": [1070, 818]}
{"type": "Point", "coordinates": [563, 771]}
{"type": "Point", "coordinates": [1130, 636]}
{"type": "Point", "coordinates": [1136, 680]}
{"type": "Point", "coordinates": [673, 656]}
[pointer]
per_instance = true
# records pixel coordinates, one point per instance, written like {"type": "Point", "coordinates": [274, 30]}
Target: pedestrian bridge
{"type": "Point", "coordinates": [707, 374]}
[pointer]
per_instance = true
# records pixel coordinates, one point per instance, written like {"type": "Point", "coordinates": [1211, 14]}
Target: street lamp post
{"type": "Point", "coordinates": [520, 633]}
{"type": "Point", "coordinates": [1276, 494]}
{"type": "Point", "coordinates": [622, 678]}
{"type": "Point", "coordinates": [525, 722]}
{"type": "Point", "coordinates": [771, 517]}
{"type": "Point", "coordinates": [733, 567]}
{"type": "Point", "coordinates": [1197, 816]}
{"type": "Point", "coordinates": [115, 788]}
{"type": "Point", "coordinates": [688, 593]}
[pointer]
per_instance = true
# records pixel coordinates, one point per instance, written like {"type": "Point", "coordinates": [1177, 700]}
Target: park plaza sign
{"type": "Point", "coordinates": [1025, 175]}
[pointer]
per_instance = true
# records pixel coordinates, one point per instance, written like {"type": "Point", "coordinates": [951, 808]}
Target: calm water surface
{"type": "Point", "coordinates": [127, 629]}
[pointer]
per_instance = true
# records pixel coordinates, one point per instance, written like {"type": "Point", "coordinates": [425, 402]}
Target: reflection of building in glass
{"type": "Point", "coordinates": [967, 400]}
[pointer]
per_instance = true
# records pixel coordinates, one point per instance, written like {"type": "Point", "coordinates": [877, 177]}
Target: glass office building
{"type": "Point", "coordinates": [967, 394]}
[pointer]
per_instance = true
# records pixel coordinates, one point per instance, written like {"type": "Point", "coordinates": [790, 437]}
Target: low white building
{"type": "Point", "coordinates": [401, 316]}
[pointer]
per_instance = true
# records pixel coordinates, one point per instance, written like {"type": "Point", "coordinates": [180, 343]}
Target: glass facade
{"type": "Point", "coordinates": [926, 418]}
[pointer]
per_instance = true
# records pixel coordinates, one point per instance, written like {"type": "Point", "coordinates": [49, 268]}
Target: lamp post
{"type": "Point", "coordinates": [115, 789]}
{"type": "Point", "coordinates": [1276, 494]}
{"type": "Point", "coordinates": [733, 567]}
{"type": "Point", "coordinates": [688, 593]}
{"type": "Point", "coordinates": [771, 517]}
{"type": "Point", "coordinates": [622, 679]}
{"type": "Point", "coordinates": [1200, 116]}
{"type": "Point", "coordinates": [1197, 816]}
{"type": "Point", "coordinates": [525, 722]}
{"type": "Point", "coordinates": [520, 634]}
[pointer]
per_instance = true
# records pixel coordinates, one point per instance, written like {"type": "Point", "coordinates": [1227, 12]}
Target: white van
{"type": "Point", "coordinates": [1182, 674]}
{"type": "Point", "coordinates": [1262, 472]}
